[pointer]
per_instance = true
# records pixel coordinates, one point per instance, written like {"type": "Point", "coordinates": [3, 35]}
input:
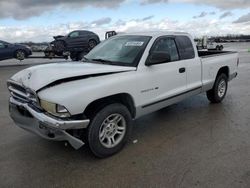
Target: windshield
{"type": "Point", "coordinates": [120, 50]}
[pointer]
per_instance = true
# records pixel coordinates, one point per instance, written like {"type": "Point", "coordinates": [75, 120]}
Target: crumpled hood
{"type": "Point", "coordinates": [40, 76]}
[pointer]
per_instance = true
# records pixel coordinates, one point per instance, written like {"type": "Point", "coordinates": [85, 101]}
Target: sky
{"type": "Point", "coordinates": [40, 20]}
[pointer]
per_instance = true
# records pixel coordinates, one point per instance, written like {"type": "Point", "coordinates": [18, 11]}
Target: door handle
{"type": "Point", "coordinates": [182, 70]}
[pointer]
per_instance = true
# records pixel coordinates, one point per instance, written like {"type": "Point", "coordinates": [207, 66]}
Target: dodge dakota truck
{"type": "Point", "coordinates": [123, 78]}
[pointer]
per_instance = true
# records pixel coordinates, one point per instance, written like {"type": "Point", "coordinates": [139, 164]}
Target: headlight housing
{"type": "Point", "coordinates": [54, 109]}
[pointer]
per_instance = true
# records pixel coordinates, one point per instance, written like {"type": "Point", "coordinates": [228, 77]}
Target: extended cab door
{"type": "Point", "coordinates": [192, 62]}
{"type": "Point", "coordinates": [161, 83]}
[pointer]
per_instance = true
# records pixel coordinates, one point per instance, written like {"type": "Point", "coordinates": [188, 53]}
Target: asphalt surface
{"type": "Point", "coordinates": [189, 144]}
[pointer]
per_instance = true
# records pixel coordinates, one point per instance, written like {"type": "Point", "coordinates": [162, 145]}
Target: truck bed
{"type": "Point", "coordinates": [206, 54]}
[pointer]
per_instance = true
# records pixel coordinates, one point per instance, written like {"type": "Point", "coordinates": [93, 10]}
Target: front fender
{"type": "Point", "coordinates": [77, 95]}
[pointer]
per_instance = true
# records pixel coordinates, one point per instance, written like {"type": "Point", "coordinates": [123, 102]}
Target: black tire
{"type": "Point", "coordinates": [20, 55]}
{"type": "Point", "coordinates": [80, 56]}
{"type": "Point", "coordinates": [59, 53]}
{"type": "Point", "coordinates": [92, 44]}
{"type": "Point", "coordinates": [73, 56]}
{"type": "Point", "coordinates": [97, 124]}
{"type": "Point", "coordinates": [77, 56]}
{"type": "Point", "coordinates": [215, 95]}
{"type": "Point", "coordinates": [221, 48]}
{"type": "Point", "coordinates": [217, 48]}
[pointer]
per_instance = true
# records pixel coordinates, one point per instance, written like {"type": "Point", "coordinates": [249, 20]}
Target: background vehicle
{"type": "Point", "coordinates": [8, 51]}
{"type": "Point", "coordinates": [212, 45]}
{"type": "Point", "coordinates": [205, 43]}
{"type": "Point", "coordinates": [76, 43]}
{"type": "Point", "coordinates": [109, 34]}
{"type": "Point", "coordinates": [123, 78]}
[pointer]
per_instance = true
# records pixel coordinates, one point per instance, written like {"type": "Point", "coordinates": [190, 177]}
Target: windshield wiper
{"type": "Point", "coordinates": [103, 61]}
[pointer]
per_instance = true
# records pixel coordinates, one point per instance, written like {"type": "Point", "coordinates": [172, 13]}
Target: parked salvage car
{"type": "Point", "coordinates": [122, 79]}
{"type": "Point", "coordinates": [18, 51]}
{"type": "Point", "coordinates": [76, 43]}
{"type": "Point", "coordinates": [211, 45]}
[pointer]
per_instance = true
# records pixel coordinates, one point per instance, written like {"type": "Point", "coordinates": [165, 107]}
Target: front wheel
{"type": "Point", "coordinates": [20, 55]}
{"type": "Point", "coordinates": [109, 130]}
{"type": "Point", "coordinates": [219, 91]}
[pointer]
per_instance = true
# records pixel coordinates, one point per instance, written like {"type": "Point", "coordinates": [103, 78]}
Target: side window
{"type": "Point", "coordinates": [74, 34]}
{"type": "Point", "coordinates": [185, 46]}
{"type": "Point", "coordinates": [2, 45]}
{"type": "Point", "coordinates": [84, 33]}
{"type": "Point", "coordinates": [166, 45]}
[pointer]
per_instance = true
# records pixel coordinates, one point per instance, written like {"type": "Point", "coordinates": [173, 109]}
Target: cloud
{"type": "Point", "coordinates": [203, 14]}
{"type": "Point", "coordinates": [23, 9]}
{"type": "Point", "coordinates": [243, 19]}
{"type": "Point", "coordinates": [102, 21]}
{"type": "Point", "coordinates": [226, 14]}
{"type": "Point", "coordinates": [147, 18]}
{"type": "Point", "coordinates": [146, 2]}
{"type": "Point", "coordinates": [222, 4]}
{"type": "Point", "coordinates": [197, 27]}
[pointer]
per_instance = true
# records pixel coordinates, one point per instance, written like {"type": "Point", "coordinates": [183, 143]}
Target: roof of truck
{"type": "Point", "coordinates": [155, 33]}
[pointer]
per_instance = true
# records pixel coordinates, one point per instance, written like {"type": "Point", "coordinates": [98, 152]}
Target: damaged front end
{"type": "Point", "coordinates": [26, 112]}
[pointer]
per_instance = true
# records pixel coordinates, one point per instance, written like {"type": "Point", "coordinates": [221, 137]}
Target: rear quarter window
{"type": "Point", "coordinates": [185, 47]}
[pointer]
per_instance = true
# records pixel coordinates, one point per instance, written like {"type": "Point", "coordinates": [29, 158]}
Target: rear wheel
{"type": "Point", "coordinates": [219, 91]}
{"type": "Point", "coordinates": [109, 130]}
{"type": "Point", "coordinates": [92, 44]}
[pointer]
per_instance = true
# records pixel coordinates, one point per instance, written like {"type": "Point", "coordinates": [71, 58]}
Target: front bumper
{"type": "Point", "coordinates": [43, 125]}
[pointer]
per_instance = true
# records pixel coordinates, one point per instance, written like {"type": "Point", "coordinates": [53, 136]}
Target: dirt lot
{"type": "Point", "coordinates": [190, 144]}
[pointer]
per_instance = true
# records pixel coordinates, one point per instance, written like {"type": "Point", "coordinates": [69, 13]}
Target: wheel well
{"type": "Point", "coordinates": [122, 98]}
{"type": "Point", "coordinates": [224, 70]}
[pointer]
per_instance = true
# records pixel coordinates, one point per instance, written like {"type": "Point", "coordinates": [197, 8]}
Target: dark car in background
{"type": "Point", "coordinates": [77, 42]}
{"type": "Point", "coordinates": [79, 38]}
{"type": "Point", "coordinates": [18, 51]}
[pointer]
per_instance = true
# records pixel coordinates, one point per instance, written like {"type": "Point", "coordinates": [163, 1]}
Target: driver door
{"type": "Point", "coordinates": [160, 84]}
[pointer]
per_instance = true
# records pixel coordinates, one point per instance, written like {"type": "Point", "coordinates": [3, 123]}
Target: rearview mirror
{"type": "Point", "coordinates": [158, 58]}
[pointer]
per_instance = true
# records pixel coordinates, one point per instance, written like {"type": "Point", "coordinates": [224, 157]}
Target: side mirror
{"type": "Point", "coordinates": [158, 58]}
{"type": "Point", "coordinates": [6, 45]}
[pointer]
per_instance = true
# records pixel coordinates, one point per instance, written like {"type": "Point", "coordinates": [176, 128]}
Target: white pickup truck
{"type": "Point", "coordinates": [121, 79]}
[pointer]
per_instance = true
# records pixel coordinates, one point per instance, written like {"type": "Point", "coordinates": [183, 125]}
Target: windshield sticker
{"type": "Point", "coordinates": [134, 43]}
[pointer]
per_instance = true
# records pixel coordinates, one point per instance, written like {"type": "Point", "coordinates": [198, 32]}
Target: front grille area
{"type": "Point", "coordinates": [22, 94]}
{"type": "Point", "coordinates": [18, 92]}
